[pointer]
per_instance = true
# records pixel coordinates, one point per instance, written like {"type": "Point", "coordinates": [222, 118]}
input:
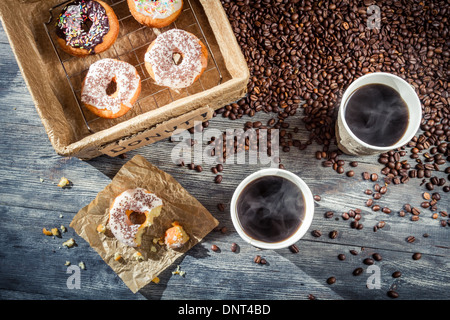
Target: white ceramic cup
{"type": "Point", "coordinates": [351, 144]}
{"type": "Point", "coordinates": [308, 213]}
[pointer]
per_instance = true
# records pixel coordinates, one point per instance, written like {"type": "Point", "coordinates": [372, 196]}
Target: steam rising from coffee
{"type": "Point", "coordinates": [377, 115]}
{"type": "Point", "coordinates": [270, 209]}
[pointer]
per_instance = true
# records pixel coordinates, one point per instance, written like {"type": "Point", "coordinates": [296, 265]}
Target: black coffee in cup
{"type": "Point", "coordinates": [377, 114]}
{"type": "Point", "coordinates": [270, 209]}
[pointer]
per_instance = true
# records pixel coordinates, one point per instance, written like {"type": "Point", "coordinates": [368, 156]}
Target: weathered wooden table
{"type": "Point", "coordinates": [32, 265]}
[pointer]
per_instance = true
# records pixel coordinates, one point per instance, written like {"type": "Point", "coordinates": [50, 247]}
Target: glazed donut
{"type": "Point", "coordinates": [155, 14]}
{"type": "Point", "coordinates": [110, 88]}
{"type": "Point", "coordinates": [86, 27]}
{"type": "Point", "coordinates": [175, 237]}
{"type": "Point", "coordinates": [160, 64]}
{"type": "Point", "coordinates": [131, 212]}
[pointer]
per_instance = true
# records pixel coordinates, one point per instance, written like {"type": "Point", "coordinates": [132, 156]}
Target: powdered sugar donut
{"type": "Point", "coordinates": [155, 13]}
{"type": "Point", "coordinates": [160, 55]}
{"type": "Point", "coordinates": [110, 88]}
{"type": "Point", "coordinates": [131, 212]}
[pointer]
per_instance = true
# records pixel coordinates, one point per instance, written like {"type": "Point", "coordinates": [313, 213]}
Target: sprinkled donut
{"type": "Point", "coordinates": [110, 88]}
{"type": "Point", "coordinates": [131, 212]}
{"type": "Point", "coordinates": [160, 55]}
{"type": "Point", "coordinates": [86, 27]}
{"type": "Point", "coordinates": [155, 13]}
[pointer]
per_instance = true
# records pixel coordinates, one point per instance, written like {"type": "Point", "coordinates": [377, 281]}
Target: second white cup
{"type": "Point", "coordinates": [308, 213]}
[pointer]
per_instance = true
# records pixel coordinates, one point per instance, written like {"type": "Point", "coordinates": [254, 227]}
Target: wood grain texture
{"type": "Point", "coordinates": [32, 264]}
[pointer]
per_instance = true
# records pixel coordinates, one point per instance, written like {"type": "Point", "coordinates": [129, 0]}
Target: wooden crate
{"type": "Point", "coordinates": [54, 78]}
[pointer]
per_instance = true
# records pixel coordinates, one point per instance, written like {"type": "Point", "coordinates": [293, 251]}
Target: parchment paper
{"type": "Point", "coordinates": [178, 205]}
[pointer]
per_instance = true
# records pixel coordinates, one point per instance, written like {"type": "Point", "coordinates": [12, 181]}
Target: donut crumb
{"type": "Point", "coordinates": [64, 182]}
{"type": "Point", "coordinates": [69, 243]}
{"type": "Point", "coordinates": [138, 256]}
{"type": "Point", "coordinates": [101, 228]}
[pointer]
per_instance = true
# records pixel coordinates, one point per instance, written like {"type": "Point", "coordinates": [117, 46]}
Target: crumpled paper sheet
{"type": "Point", "coordinates": [178, 205]}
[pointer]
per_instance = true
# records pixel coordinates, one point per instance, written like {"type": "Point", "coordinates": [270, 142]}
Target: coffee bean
{"type": "Point", "coordinates": [358, 271]}
{"type": "Point", "coordinates": [294, 248]}
{"type": "Point", "coordinates": [198, 168]}
{"type": "Point", "coordinates": [386, 210]}
{"type": "Point", "coordinates": [341, 256]}
{"type": "Point", "coordinates": [329, 214]}
{"type": "Point", "coordinates": [354, 252]}
{"type": "Point", "coordinates": [333, 234]}
{"type": "Point", "coordinates": [354, 164]}
{"type": "Point", "coordinates": [396, 274]}
{"type": "Point", "coordinates": [376, 257]}
{"type": "Point", "coordinates": [234, 247]}
{"type": "Point", "coordinates": [221, 207]}
{"type": "Point", "coordinates": [214, 248]}
{"type": "Point", "coordinates": [331, 280]}
{"type": "Point", "coordinates": [381, 224]}
{"type": "Point", "coordinates": [327, 164]}
{"type": "Point", "coordinates": [392, 294]}
{"type": "Point", "coordinates": [316, 233]}
{"type": "Point", "coordinates": [311, 297]}
{"type": "Point", "coordinates": [257, 259]}
{"type": "Point", "coordinates": [218, 179]}
{"type": "Point", "coordinates": [416, 256]}
{"type": "Point", "coordinates": [368, 261]}
{"type": "Point", "coordinates": [354, 224]}
{"type": "Point", "coordinates": [350, 173]}
{"type": "Point", "coordinates": [317, 197]}
{"type": "Point", "coordinates": [219, 167]}
{"type": "Point", "coordinates": [366, 175]}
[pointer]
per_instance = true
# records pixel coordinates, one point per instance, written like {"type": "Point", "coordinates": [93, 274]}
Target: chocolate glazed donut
{"type": "Point", "coordinates": [86, 27]}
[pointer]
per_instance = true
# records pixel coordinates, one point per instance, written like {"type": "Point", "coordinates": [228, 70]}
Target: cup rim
{"type": "Point", "coordinates": [309, 208]}
{"type": "Point", "coordinates": [405, 138]}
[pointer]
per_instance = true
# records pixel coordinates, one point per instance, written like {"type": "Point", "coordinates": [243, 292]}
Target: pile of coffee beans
{"type": "Point", "coordinates": [309, 52]}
